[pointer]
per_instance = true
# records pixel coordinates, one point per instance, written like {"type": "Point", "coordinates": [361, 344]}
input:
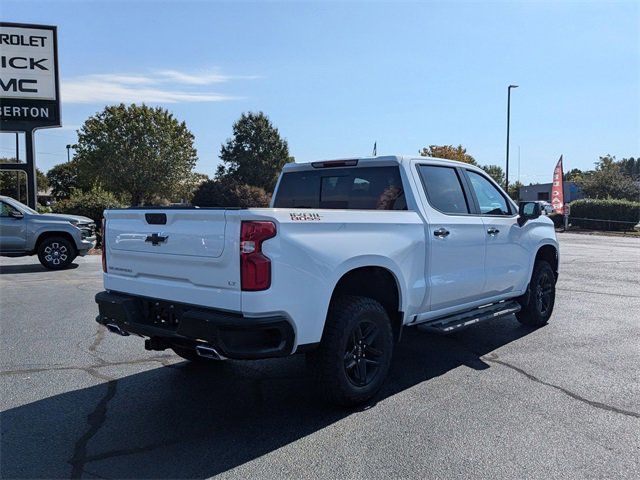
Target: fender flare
{"type": "Point", "coordinates": [364, 261]}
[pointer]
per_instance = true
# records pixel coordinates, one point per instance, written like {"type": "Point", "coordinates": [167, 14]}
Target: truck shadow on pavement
{"type": "Point", "coordinates": [31, 268]}
{"type": "Point", "coordinates": [188, 421]}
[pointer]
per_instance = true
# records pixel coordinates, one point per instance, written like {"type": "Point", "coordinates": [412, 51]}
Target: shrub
{"type": "Point", "coordinates": [604, 214]}
{"type": "Point", "coordinates": [89, 204]}
{"type": "Point", "coordinates": [43, 208]}
{"type": "Point", "coordinates": [557, 219]}
{"type": "Point", "coordinates": [228, 193]}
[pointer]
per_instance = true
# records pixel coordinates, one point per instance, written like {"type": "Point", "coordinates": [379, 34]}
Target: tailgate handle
{"type": "Point", "coordinates": [156, 218]}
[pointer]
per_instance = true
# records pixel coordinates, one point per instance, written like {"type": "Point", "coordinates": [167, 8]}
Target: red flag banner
{"type": "Point", "coordinates": [557, 190]}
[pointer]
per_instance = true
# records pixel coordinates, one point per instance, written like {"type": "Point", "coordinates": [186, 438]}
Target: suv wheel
{"type": "Point", "coordinates": [537, 305]}
{"type": "Point", "coordinates": [354, 355]}
{"type": "Point", "coordinates": [56, 253]}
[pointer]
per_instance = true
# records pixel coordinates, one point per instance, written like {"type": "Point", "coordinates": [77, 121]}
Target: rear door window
{"type": "Point", "coordinates": [368, 188]}
{"type": "Point", "coordinates": [444, 189]}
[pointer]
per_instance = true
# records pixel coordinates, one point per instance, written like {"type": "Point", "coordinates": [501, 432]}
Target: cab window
{"type": "Point", "coordinates": [444, 189]}
{"type": "Point", "coordinates": [490, 199]}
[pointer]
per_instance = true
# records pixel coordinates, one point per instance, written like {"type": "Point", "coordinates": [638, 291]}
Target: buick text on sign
{"type": "Point", "coordinates": [28, 77]}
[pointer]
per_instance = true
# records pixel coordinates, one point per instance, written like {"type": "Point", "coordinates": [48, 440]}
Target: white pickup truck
{"type": "Point", "coordinates": [351, 252]}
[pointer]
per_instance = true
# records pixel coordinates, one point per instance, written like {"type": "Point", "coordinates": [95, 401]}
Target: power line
{"type": "Point", "coordinates": [37, 153]}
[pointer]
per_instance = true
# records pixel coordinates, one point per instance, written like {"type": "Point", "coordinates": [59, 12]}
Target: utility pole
{"type": "Point", "coordinates": [506, 178]}
{"type": "Point", "coordinates": [518, 163]}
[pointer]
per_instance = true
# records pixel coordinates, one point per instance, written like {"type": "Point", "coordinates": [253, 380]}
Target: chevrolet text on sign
{"type": "Point", "coordinates": [29, 96]}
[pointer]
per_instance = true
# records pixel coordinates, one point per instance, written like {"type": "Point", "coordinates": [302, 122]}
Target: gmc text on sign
{"type": "Point", "coordinates": [28, 77]}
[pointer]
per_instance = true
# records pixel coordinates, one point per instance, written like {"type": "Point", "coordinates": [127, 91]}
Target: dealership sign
{"type": "Point", "coordinates": [29, 94]}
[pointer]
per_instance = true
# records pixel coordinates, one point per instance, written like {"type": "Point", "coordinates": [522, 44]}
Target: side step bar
{"type": "Point", "coordinates": [462, 320]}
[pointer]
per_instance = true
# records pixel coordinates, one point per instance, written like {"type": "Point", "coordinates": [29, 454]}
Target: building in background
{"type": "Point", "coordinates": [542, 191]}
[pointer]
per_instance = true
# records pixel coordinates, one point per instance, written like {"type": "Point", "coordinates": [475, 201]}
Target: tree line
{"type": "Point", "coordinates": [610, 179]}
{"type": "Point", "coordinates": [141, 155]}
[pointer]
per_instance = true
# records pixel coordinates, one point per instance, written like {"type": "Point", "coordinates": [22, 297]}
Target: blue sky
{"type": "Point", "coordinates": [335, 77]}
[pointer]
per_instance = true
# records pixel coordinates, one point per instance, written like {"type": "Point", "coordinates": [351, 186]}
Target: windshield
{"type": "Point", "coordinates": [21, 206]}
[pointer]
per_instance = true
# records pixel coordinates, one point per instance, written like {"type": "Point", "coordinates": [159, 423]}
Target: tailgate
{"type": "Point", "coordinates": [184, 255]}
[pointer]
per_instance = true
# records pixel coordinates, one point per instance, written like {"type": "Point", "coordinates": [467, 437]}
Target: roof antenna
{"type": "Point", "coordinates": [375, 149]}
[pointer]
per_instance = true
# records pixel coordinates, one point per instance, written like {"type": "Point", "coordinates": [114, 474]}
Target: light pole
{"type": "Point", "coordinates": [506, 176]}
{"type": "Point", "coordinates": [68, 157]}
{"type": "Point", "coordinates": [18, 161]}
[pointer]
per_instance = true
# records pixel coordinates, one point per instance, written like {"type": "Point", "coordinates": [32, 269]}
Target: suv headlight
{"type": "Point", "coordinates": [86, 229]}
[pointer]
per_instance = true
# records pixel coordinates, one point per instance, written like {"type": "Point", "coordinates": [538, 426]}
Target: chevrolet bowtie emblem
{"type": "Point", "coordinates": [156, 239]}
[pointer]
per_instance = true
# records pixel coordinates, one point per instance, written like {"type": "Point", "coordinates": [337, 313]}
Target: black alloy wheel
{"type": "Point", "coordinates": [363, 353]}
{"type": "Point", "coordinates": [543, 292]}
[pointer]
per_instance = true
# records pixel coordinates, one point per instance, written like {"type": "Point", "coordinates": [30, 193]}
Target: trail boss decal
{"type": "Point", "coordinates": [305, 217]}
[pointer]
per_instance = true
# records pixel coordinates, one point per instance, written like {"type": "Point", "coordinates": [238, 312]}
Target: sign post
{"type": "Point", "coordinates": [29, 89]}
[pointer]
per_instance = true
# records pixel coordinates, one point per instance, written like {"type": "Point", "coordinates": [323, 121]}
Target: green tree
{"type": "Point", "coordinates": [192, 184]}
{"type": "Point", "coordinates": [10, 179]}
{"type": "Point", "coordinates": [514, 190]}
{"type": "Point", "coordinates": [496, 172]}
{"type": "Point", "coordinates": [89, 204]}
{"type": "Point", "coordinates": [255, 154]}
{"type": "Point", "coordinates": [572, 175]}
{"type": "Point", "coordinates": [226, 192]}
{"type": "Point", "coordinates": [137, 152]}
{"type": "Point", "coordinates": [63, 179]}
{"type": "Point", "coordinates": [631, 167]}
{"type": "Point", "coordinates": [608, 181]}
{"type": "Point", "coordinates": [449, 152]}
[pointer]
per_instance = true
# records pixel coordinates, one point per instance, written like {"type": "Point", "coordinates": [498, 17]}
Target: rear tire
{"type": "Point", "coordinates": [56, 253]}
{"type": "Point", "coordinates": [537, 305]}
{"type": "Point", "coordinates": [354, 355]}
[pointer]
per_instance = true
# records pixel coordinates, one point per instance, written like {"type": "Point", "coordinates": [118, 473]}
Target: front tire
{"type": "Point", "coordinates": [56, 253]}
{"type": "Point", "coordinates": [354, 355]}
{"type": "Point", "coordinates": [537, 305]}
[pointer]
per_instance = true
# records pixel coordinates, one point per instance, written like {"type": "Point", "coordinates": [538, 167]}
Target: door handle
{"type": "Point", "coordinates": [441, 232]}
{"type": "Point", "coordinates": [493, 231]}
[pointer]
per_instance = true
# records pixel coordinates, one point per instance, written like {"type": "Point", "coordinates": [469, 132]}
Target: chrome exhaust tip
{"type": "Point", "coordinates": [113, 328]}
{"type": "Point", "coordinates": [207, 351]}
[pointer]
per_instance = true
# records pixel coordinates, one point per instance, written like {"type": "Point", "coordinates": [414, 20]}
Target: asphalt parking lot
{"type": "Point", "coordinates": [495, 401]}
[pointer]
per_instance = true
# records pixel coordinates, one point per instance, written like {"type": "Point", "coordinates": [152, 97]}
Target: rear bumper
{"type": "Point", "coordinates": [233, 335]}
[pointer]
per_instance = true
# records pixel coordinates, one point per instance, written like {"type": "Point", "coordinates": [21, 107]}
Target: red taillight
{"type": "Point", "coordinates": [255, 268]}
{"type": "Point", "coordinates": [104, 245]}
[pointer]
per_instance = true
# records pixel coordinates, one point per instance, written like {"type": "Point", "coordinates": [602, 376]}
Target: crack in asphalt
{"type": "Point", "coordinates": [163, 360]}
{"type": "Point", "coordinates": [97, 340]}
{"type": "Point", "coordinates": [95, 420]}
{"type": "Point", "coordinates": [493, 358]}
{"type": "Point", "coordinates": [598, 293]}
{"type": "Point", "coordinates": [94, 474]}
{"type": "Point", "coordinates": [99, 414]}
{"type": "Point", "coordinates": [130, 451]}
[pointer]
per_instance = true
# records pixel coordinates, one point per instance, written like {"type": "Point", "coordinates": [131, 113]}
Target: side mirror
{"type": "Point", "coordinates": [16, 214]}
{"type": "Point", "coordinates": [528, 211]}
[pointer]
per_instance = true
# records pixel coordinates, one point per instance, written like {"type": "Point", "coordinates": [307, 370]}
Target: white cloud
{"type": "Point", "coordinates": [193, 79]}
{"type": "Point", "coordinates": [162, 86]}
